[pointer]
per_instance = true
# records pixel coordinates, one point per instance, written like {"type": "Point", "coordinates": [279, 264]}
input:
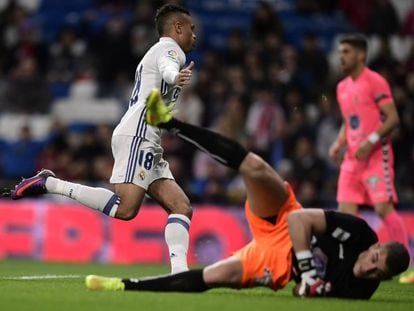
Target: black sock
{"type": "Point", "coordinates": [189, 281]}
{"type": "Point", "coordinates": [220, 148]}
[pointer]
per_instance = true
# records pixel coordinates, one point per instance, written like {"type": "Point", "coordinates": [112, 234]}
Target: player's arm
{"type": "Point", "coordinates": [302, 224]}
{"type": "Point", "coordinates": [383, 98]}
{"type": "Point", "coordinates": [169, 67]}
{"type": "Point", "coordinates": [390, 119]}
{"type": "Point", "coordinates": [389, 122]}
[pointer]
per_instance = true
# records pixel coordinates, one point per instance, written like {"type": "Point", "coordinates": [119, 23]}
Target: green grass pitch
{"type": "Point", "coordinates": [19, 292]}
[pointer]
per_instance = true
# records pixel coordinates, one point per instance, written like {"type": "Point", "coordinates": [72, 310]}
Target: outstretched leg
{"type": "Point", "coordinates": [266, 191]}
{"type": "Point", "coordinates": [124, 204]}
{"type": "Point", "coordinates": [225, 273]}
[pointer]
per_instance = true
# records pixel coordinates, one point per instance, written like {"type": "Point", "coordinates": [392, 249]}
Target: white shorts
{"type": "Point", "coordinates": [137, 161]}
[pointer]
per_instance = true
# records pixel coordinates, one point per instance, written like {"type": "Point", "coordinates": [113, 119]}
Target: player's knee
{"type": "Point", "coordinates": [126, 213]}
{"type": "Point", "coordinates": [253, 165]}
{"type": "Point", "coordinates": [183, 207]}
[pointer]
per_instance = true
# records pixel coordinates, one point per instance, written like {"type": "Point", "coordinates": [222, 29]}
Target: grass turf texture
{"type": "Point", "coordinates": [70, 293]}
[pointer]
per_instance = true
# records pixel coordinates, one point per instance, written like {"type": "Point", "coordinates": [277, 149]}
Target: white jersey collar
{"type": "Point", "coordinates": [168, 39]}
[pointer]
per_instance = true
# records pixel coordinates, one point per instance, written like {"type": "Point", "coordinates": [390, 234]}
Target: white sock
{"type": "Point", "coordinates": [177, 238]}
{"type": "Point", "coordinates": [100, 199]}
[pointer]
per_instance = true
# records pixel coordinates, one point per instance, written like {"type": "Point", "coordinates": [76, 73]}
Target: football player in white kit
{"type": "Point", "coordinates": [139, 167]}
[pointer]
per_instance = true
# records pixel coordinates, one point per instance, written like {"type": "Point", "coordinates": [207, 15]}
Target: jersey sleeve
{"type": "Point", "coordinates": [169, 63]}
{"type": "Point", "coordinates": [349, 229]}
{"type": "Point", "coordinates": [381, 90]}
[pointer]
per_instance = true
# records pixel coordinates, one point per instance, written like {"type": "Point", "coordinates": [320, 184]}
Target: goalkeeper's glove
{"type": "Point", "coordinates": [311, 285]}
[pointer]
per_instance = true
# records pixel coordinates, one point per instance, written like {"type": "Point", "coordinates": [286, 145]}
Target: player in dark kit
{"type": "Point", "coordinates": [327, 253]}
{"type": "Point", "coordinates": [347, 254]}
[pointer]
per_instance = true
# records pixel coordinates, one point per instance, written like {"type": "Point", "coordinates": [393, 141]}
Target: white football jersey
{"type": "Point", "coordinates": [157, 69]}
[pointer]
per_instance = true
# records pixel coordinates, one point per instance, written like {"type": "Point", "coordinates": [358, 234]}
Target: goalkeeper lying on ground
{"type": "Point", "coordinates": [327, 253]}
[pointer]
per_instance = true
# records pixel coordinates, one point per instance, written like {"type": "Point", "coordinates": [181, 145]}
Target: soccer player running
{"type": "Point", "coordinates": [139, 167]}
{"type": "Point", "coordinates": [327, 253]}
{"type": "Point", "coordinates": [369, 115]}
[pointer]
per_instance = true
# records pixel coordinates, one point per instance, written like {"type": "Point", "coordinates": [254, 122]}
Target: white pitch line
{"type": "Point", "coordinates": [42, 277]}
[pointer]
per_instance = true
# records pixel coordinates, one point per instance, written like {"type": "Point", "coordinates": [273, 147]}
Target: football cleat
{"type": "Point", "coordinates": [96, 282]}
{"type": "Point", "coordinates": [32, 186]}
{"type": "Point", "coordinates": [407, 277]}
{"type": "Point", "coordinates": [157, 111]}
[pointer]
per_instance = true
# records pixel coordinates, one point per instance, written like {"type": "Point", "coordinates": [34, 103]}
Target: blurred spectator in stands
{"type": "Point", "coordinates": [181, 170]}
{"type": "Point", "coordinates": [296, 127]}
{"type": "Point", "coordinates": [328, 125]}
{"type": "Point", "coordinates": [409, 62]}
{"type": "Point", "coordinates": [270, 53]}
{"type": "Point", "coordinates": [235, 48]}
{"type": "Point", "coordinates": [307, 166]}
{"type": "Point", "coordinates": [102, 169]}
{"type": "Point", "coordinates": [189, 107]}
{"type": "Point", "coordinates": [20, 37]}
{"type": "Point", "coordinates": [67, 56]}
{"type": "Point", "coordinates": [144, 12]}
{"type": "Point", "coordinates": [403, 138]}
{"type": "Point", "coordinates": [215, 99]}
{"type": "Point", "coordinates": [254, 66]}
{"type": "Point", "coordinates": [313, 65]}
{"type": "Point", "coordinates": [384, 58]}
{"type": "Point", "coordinates": [316, 6]}
{"type": "Point", "coordinates": [142, 38]}
{"type": "Point", "coordinates": [26, 91]}
{"type": "Point", "coordinates": [113, 53]}
{"type": "Point", "coordinates": [28, 5]}
{"type": "Point", "coordinates": [409, 84]}
{"type": "Point", "coordinates": [18, 158]}
{"type": "Point", "coordinates": [88, 146]}
{"type": "Point", "coordinates": [408, 24]}
{"type": "Point", "coordinates": [288, 74]}
{"type": "Point", "coordinates": [265, 20]}
{"type": "Point", "coordinates": [265, 123]}
{"type": "Point", "coordinates": [210, 180]}
{"type": "Point", "coordinates": [103, 134]}
{"type": "Point", "coordinates": [357, 12]}
{"type": "Point", "coordinates": [143, 34]}
{"type": "Point", "coordinates": [309, 194]}
{"type": "Point", "coordinates": [56, 146]}
{"type": "Point", "coordinates": [231, 121]}
{"type": "Point", "coordinates": [212, 62]}
{"type": "Point", "coordinates": [182, 156]}
{"type": "Point", "coordinates": [237, 80]}
{"type": "Point", "coordinates": [383, 19]}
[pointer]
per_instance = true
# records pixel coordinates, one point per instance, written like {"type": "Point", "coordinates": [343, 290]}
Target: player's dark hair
{"type": "Point", "coordinates": [163, 14]}
{"type": "Point", "coordinates": [355, 40]}
{"type": "Point", "coordinates": [398, 258]}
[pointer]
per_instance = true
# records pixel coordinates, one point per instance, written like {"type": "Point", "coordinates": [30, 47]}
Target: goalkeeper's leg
{"type": "Point", "coordinates": [266, 191]}
{"type": "Point", "coordinates": [225, 273]}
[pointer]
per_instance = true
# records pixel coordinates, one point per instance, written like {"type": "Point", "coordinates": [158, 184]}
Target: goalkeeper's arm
{"type": "Point", "coordinates": [302, 225]}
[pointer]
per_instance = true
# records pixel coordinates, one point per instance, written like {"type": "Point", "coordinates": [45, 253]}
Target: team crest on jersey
{"type": "Point", "coordinates": [354, 121]}
{"type": "Point", "coordinates": [172, 54]}
{"type": "Point", "coordinates": [373, 181]}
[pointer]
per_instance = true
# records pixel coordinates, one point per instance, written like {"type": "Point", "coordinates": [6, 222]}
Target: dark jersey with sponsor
{"type": "Point", "coordinates": [336, 251]}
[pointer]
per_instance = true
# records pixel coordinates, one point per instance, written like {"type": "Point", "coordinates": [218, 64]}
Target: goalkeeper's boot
{"type": "Point", "coordinates": [407, 277]}
{"type": "Point", "coordinates": [157, 111]}
{"type": "Point", "coordinates": [32, 186]}
{"type": "Point", "coordinates": [96, 282]}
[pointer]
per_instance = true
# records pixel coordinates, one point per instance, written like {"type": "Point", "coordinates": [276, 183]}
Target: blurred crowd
{"type": "Point", "coordinates": [274, 97]}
